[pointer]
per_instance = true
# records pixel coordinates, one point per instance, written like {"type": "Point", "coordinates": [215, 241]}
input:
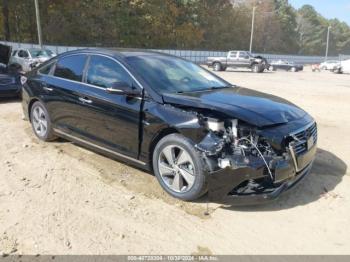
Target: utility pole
{"type": "Point", "coordinates": [38, 23]}
{"type": "Point", "coordinates": [6, 22]}
{"type": "Point", "coordinates": [252, 30]}
{"type": "Point", "coordinates": [327, 47]}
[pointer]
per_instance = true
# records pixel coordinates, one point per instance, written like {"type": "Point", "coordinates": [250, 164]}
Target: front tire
{"type": "Point", "coordinates": [41, 122]}
{"type": "Point", "coordinates": [179, 168]}
{"type": "Point", "coordinates": [256, 68]}
{"type": "Point", "coordinates": [293, 69]}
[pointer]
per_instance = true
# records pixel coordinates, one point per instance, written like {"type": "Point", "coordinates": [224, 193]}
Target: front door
{"type": "Point", "coordinates": [243, 59]}
{"type": "Point", "coordinates": [112, 120]}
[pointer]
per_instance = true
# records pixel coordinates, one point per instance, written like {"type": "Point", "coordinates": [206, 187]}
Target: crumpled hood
{"type": "Point", "coordinates": [251, 106]}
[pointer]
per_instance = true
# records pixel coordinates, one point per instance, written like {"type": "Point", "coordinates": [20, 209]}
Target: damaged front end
{"type": "Point", "coordinates": [246, 167]}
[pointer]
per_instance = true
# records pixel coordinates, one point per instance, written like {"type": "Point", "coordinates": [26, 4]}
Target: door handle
{"type": "Point", "coordinates": [45, 87]}
{"type": "Point", "coordinates": [85, 100]}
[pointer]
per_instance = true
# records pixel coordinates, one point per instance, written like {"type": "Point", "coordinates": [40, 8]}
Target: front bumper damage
{"type": "Point", "coordinates": [251, 184]}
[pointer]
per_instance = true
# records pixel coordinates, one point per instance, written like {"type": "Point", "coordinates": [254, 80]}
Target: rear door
{"type": "Point", "coordinates": [62, 91]}
{"type": "Point", "coordinates": [232, 59]}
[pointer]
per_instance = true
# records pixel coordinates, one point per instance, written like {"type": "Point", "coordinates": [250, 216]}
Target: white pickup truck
{"type": "Point", "coordinates": [238, 59]}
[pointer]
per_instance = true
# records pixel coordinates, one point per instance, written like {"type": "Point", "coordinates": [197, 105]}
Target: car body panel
{"type": "Point", "coordinates": [129, 127]}
{"type": "Point", "coordinates": [24, 59]}
{"type": "Point", "coordinates": [329, 65]}
{"type": "Point", "coordinates": [285, 65]}
{"type": "Point", "coordinates": [345, 66]}
{"type": "Point", "coordinates": [248, 105]}
{"type": "Point", "coordinates": [10, 85]}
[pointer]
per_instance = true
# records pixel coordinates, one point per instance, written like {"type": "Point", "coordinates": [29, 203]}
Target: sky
{"type": "Point", "coordinates": [328, 8]}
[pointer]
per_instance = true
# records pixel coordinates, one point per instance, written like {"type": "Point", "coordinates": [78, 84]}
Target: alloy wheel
{"type": "Point", "coordinates": [40, 122]}
{"type": "Point", "coordinates": [217, 67]}
{"type": "Point", "coordinates": [176, 168]}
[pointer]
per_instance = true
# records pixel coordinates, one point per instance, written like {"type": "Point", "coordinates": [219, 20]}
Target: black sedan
{"type": "Point", "coordinates": [285, 65]}
{"type": "Point", "coordinates": [193, 130]}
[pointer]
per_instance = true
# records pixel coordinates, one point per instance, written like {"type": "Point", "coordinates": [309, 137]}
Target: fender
{"type": "Point", "coordinates": [159, 117]}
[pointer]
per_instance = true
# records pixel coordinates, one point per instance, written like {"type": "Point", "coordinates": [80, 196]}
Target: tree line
{"type": "Point", "coordinates": [175, 24]}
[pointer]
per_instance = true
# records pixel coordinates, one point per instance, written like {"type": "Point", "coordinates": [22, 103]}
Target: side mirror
{"type": "Point", "coordinates": [123, 88]}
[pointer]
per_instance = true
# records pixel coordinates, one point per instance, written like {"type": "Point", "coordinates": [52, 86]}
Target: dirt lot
{"type": "Point", "coordinates": [58, 198]}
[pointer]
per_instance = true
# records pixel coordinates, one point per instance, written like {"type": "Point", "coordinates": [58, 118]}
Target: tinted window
{"type": "Point", "coordinates": [233, 54]}
{"type": "Point", "coordinates": [23, 54]}
{"type": "Point", "coordinates": [170, 74]}
{"type": "Point", "coordinates": [71, 67]}
{"type": "Point", "coordinates": [45, 70]}
{"type": "Point", "coordinates": [243, 54]}
{"type": "Point", "coordinates": [103, 72]}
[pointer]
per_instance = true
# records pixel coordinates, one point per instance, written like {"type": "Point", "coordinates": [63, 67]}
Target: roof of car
{"type": "Point", "coordinates": [120, 52]}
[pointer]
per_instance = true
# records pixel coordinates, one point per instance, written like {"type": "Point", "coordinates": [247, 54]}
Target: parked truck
{"type": "Point", "coordinates": [238, 59]}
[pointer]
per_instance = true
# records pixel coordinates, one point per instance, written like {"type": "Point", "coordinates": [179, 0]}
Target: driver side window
{"type": "Point", "coordinates": [23, 54]}
{"type": "Point", "coordinates": [243, 55]}
{"type": "Point", "coordinates": [103, 72]}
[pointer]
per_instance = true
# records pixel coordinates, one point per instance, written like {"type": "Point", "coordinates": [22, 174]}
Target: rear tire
{"type": "Point", "coordinates": [41, 122]}
{"type": "Point", "coordinates": [217, 67]}
{"type": "Point", "coordinates": [179, 167]}
{"type": "Point", "coordinates": [293, 69]}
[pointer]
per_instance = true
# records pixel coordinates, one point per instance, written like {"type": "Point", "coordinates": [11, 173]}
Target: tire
{"type": "Point", "coordinates": [255, 68]}
{"type": "Point", "coordinates": [338, 71]}
{"type": "Point", "coordinates": [293, 69]}
{"type": "Point", "coordinates": [271, 68]}
{"type": "Point", "coordinates": [41, 123]}
{"type": "Point", "coordinates": [217, 66]}
{"type": "Point", "coordinates": [168, 170]}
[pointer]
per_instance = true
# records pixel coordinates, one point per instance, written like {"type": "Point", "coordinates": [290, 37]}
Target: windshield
{"type": "Point", "coordinates": [40, 53]}
{"type": "Point", "coordinates": [173, 75]}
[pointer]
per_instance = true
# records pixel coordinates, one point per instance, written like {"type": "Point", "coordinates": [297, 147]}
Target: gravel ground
{"type": "Point", "coordinates": [58, 198]}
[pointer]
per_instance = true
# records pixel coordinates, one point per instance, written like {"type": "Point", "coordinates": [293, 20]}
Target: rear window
{"type": "Point", "coordinates": [71, 67]}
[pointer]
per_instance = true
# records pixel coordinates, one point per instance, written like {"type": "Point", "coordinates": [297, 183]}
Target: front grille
{"type": "Point", "coordinates": [6, 81]}
{"type": "Point", "coordinates": [300, 144]}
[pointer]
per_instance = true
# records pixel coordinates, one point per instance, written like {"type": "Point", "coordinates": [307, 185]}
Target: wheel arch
{"type": "Point", "coordinates": [156, 138]}
{"type": "Point", "coordinates": [30, 105]}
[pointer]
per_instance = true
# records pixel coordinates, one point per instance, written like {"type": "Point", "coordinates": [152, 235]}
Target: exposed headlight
{"type": "Point", "coordinates": [215, 125]}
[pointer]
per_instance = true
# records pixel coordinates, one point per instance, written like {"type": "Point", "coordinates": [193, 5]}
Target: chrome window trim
{"type": "Point", "coordinates": [52, 63]}
{"type": "Point", "coordinates": [58, 131]}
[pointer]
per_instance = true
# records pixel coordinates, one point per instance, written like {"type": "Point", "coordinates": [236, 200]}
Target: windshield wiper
{"type": "Point", "coordinates": [219, 87]}
{"type": "Point", "coordinates": [203, 90]}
